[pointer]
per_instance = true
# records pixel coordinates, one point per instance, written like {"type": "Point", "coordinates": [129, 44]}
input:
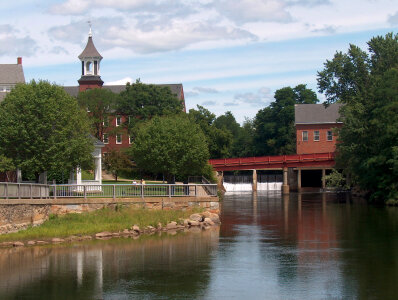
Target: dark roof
{"type": "Point", "coordinates": [90, 50]}
{"type": "Point", "coordinates": [175, 89]}
{"type": "Point", "coordinates": [11, 74]}
{"type": "Point", "coordinates": [316, 113]}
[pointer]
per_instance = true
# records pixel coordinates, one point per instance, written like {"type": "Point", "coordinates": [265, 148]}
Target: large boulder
{"type": "Point", "coordinates": [196, 217]}
{"type": "Point", "coordinates": [103, 234]}
{"type": "Point", "coordinates": [171, 225]}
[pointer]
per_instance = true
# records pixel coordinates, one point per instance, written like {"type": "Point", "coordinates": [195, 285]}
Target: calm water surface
{"type": "Point", "coordinates": [309, 246]}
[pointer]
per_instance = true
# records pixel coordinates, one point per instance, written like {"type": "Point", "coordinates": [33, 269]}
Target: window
{"type": "Point", "coordinates": [316, 135]}
{"type": "Point", "coordinates": [305, 136]}
{"type": "Point", "coordinates": [105, 138]}
{"type": "Point", "coordinates": [118, 138]}
{"type": "Point", "coordinates": [118, 120]}
{"type": "Point", "coordinates": [106, 122]}
{"type": "Point", "coordinates": [329, 135]}
{"type": "Point", "coordinates": [131, 139]}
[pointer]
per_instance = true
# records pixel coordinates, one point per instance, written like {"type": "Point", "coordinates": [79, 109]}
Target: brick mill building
{"type": "Point", "coordinates": [314, 127]}
{"type": "Point", "coordinates": [91, 78]}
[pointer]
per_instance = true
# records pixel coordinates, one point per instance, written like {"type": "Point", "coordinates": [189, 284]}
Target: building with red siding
{"type": "Point", "coordinates": [91, 78]}
{"type": "Point", "coordinates": [315, 125]}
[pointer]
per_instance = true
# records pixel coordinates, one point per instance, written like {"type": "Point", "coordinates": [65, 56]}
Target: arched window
{"type": "Point", "coordinates": [89, 67]}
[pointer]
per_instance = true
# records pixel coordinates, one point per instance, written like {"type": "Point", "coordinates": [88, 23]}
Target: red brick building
{"type": "Point", "coordinates": [90, 78]}
{"type": "Point", "coordinates": [314, 127]}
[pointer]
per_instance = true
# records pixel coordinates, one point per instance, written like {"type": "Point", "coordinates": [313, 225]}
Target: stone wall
{"type": "Point", "coordinates": [20, 213]}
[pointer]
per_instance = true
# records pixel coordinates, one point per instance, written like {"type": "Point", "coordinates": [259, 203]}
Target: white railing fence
{"type": "Point", "coordinates": [22, 190]}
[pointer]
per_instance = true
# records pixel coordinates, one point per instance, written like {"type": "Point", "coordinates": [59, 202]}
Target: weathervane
{"type": "Point", "coordinates": [90, 34]}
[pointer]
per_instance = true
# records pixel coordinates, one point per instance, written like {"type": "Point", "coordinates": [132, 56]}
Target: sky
{"type": "Point", "coordinates": [229, 55]}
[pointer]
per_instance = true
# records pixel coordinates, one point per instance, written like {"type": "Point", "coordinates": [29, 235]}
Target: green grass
{"type": "Point", "coordinates": [97, 221]}
{"type": "Point", "coordinates": [129, 181]}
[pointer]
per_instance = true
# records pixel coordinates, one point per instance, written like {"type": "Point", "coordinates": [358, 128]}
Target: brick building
{"type": "Point", "coordinates": [314, 127]}
{"type": "Point", "coordinates": [91, 78]}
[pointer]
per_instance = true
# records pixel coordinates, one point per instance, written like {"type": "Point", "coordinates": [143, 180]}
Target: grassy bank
{"type": "Point", "coordinates": [97, 221]}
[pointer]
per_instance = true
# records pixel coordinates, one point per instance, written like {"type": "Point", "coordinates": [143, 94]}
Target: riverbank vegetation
{"type": "Point", "coordinates": [366, 82]}
{"type": "Point", "coordinates": [112, 220]}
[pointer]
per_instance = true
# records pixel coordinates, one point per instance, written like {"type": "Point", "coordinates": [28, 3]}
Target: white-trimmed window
{"type": "Point", "coordinates": [105, 138]}
{"type": "Point", "coordinates": [118, 120]}
{"type": "Point", "coordinates": [118, 138]}
{"type": "Point", "coordinates": [106, 122]}
{"type": "Point", "coordinates": [316, 135]}
{"type": "Point", "coordinates": [329, 135]}
{"type": "Point", "coordinates": [305, 136]}
{"type": "Point", "coordinates": [131, 139]}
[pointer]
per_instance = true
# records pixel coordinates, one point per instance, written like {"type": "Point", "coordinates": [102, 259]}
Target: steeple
{"type": "Point", "coordinates": [90, 58]}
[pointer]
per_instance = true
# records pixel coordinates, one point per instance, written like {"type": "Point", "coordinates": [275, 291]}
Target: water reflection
{"type": "Point", "coordinates": [154, 267]}
{"type": "Point", "coordinates": [313, 246]}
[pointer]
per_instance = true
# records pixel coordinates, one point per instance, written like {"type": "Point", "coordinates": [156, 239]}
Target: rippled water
{"type": "Point", "coordinates": [309, 246]}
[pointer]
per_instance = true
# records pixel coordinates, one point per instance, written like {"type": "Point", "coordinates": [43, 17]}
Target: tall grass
{"type": "Point", "coordinates": [100, 220]}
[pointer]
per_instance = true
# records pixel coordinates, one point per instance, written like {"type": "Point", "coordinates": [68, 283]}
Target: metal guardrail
{"type": "Point", "coordinates": [12, 190]}
{"type": "Point", "coordinates": [36, 191]}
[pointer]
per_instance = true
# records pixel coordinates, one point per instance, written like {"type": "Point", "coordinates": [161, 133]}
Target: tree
{"type": "Point", "coordinates": [42, 128]}
{"type": "Point", "coordinates": [172, 145]}
{"type": "Point", "coordinates": [142, 102]}
{"type": "Point", "coordinates": [219, 140]}
{"type": "Point", "coordinates": [6, 165]}
{"type": "Point", "coordinates": [116, 162]}
{"type": "Point", "coordinates": [274, 125]}
{"type": "Point", "coordinates": [367, 84]}
{"type": "Point", "coordinates": [100, 103]}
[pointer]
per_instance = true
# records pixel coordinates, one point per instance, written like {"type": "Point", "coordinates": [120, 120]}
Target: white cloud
{"type": "Point", "coordinates": [206, 90]}
{"type": "Point", "coordinates": [245, 11]}
{"type": "Point", "coordinates": [393, 19]}
{"type": "Point", "coordinates": [120, 81]}
{"type": "Point", "coordinates": [260, 98]}
{"type": "Point", "coordinates": [13, 44]}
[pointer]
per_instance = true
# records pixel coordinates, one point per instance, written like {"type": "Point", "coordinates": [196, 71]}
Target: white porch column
{"type": "Point", "coordinates": [98, 169]}
{"type": "Point", "coordinates": [78, 176]}
{"type": "Point", "coordinates": [19, 175]}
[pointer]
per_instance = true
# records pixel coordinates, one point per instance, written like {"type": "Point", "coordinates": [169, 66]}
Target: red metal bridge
{"type": "Point", "coordinates": [315, 160]}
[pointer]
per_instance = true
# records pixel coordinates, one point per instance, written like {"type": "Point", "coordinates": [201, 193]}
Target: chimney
{"type": "Point", "coordinates": [19, 60]}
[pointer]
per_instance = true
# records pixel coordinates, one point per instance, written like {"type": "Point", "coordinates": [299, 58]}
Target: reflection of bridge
{"type": "Point", "coordinates": [290, 164]}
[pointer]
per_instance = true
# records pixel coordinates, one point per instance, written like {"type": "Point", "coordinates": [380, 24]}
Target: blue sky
{"type": "Point", "coordinates": [229, 55]}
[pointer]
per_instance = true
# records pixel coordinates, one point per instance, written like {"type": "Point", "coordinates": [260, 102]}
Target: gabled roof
{"type": "Point", "coordinates": [316, 113]}
{"type": "Point", "coordinates": [175, 89]}
{"type": "Point", "coordinates": [90, 50]}
{"type": "Point", "coordinates": [11, 74]}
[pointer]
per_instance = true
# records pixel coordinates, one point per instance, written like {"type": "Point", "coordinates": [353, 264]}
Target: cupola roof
{"type": "Point", "coordinates": [90, 50]}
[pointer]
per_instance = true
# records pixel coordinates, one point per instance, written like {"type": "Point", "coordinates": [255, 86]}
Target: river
{"type": "Point", "coordinates": [309, 246]}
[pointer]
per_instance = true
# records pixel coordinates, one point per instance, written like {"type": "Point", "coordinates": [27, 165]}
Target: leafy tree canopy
{"type": "Point", "coordinates": [274, 125]}
{"type": "Point", "coordinates": [172, 145]}
{"type": "Point", "coordinates": [219, 140]}
{"type": "Point", "coordinates": [115, 162]}
{"type": "Point", "coordinates": [100, 103]}
{"type": "Point", "coordinates": [349, 74]}
{"type": "Point", "coordinates": [143, 101]}
{"type": "Point", "coordinates": [367, 83]}
{"type": "Point", "coordinates": [42, 128]}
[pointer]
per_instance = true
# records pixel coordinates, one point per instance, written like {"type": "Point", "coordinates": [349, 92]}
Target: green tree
{"type": "Point", "coordinates": [142, 102]}
{"type": "Point", "coordinates": [115, 162]}
{"type": "Point", "coordinates": [367, 83]}
{"type": "Point", "coordinates": [219, 140]}
{"type": "Point", "coordinates": [172, 145]}
{"type": "Point", "coordinates": [100, 104]}
{"type": "Point", "coordinates": [42, 128]}
{"type": "Point", "coordinates": [274, 125]}
{"type": "Point", "coordinates": [6, 165]}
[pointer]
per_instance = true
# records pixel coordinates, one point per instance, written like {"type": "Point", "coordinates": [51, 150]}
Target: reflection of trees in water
{"type": "Point", "coordinates": [370, 267]}
{"type": "Point", "coordinates": [165, 266]}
